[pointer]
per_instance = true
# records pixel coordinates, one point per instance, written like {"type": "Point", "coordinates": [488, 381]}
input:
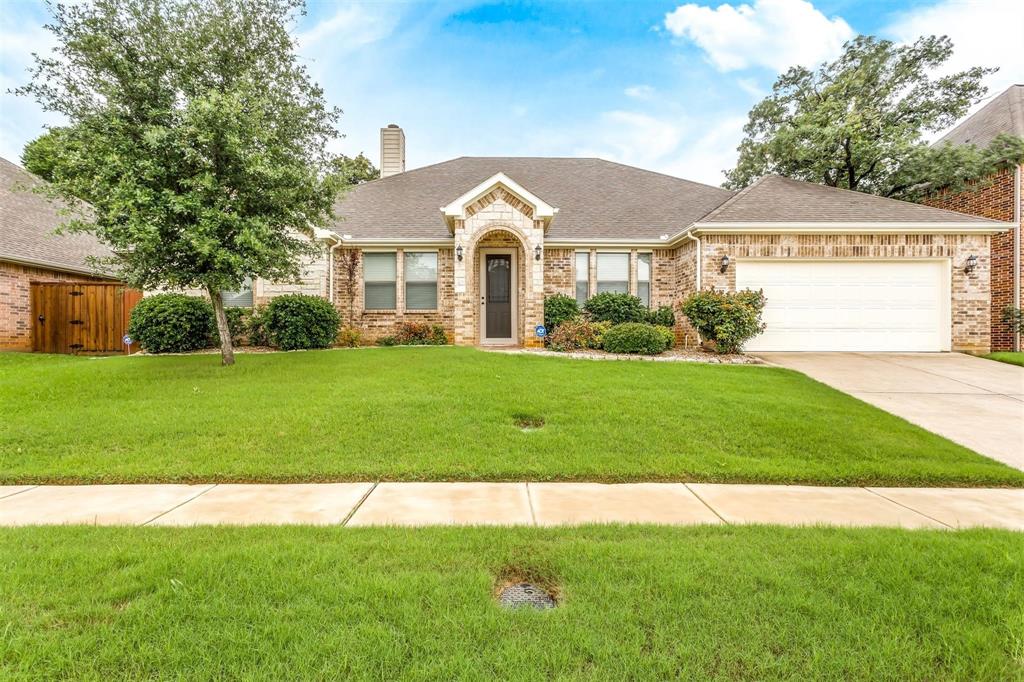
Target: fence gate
{"type": "Point", "coordinates": [81, 317]}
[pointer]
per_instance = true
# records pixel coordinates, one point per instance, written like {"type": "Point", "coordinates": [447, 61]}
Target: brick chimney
{"type": "Point", "coordinates": [392, 150]}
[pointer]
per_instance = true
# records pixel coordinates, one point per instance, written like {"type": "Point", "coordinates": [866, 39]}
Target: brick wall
{"type": "Point", "coordinates": [993, 198]}
{"type": "Point", "coordinates": [15, 301]}
{"type": "Point", "coordinates": [377, 323]}
{"type": "Point", "coordinates": [970, 312]}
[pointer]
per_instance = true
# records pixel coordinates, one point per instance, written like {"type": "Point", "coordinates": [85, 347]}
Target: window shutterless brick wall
{"type": "Point", "coordinates": [15, 300]}
{"type": "Point", "coordinates": [993, 197]}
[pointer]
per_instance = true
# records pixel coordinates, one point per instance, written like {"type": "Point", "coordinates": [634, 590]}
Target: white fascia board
{"type": "Point", "coordinates": [457, 208]}
{"type": "Point", "coordinates": [400, 243]}
{"type": "Point", "coordinates": [850, 228]}
{"type": "Point", "coordinates": [58, 267]}
{"type": "Point", "coordinates": [605, 243]}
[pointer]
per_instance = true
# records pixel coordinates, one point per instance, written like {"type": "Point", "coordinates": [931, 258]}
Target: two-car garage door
{"type": "Point", "coordinates": [850, 305]}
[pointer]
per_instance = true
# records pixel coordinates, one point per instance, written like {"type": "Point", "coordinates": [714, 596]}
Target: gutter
{"type": "Point", "coordinates": [328, 236]}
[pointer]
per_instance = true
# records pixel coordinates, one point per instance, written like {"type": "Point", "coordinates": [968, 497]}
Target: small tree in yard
{"type": "Point", "coordinates": [196, 136]}
{"type": "Point", "coordinates": [860, 121]}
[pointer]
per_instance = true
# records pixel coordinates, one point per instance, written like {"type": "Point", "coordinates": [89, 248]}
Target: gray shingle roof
{"type": "Point", "coordinates": [596, 199]}
{"type": "Point", "coordinates": [27, 222]}
{"type": "Point", "coordinates": [1004, 114]}
{"type": "Point", "coordinates": [777, 199]}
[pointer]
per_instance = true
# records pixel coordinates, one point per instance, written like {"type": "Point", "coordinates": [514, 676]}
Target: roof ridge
{"type": "Point", "coordinates": [734, 198]}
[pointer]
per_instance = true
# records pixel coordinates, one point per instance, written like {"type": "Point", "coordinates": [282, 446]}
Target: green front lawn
{"type": "Point", "coordinates": [451, 413]}
{"type": "Point", "coordinates": [638, 603]}
{"type": "Point", "coordinates": [1007, 357]}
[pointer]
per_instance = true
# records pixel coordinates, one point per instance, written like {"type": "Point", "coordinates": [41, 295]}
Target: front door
{"type": "Point", "coordinates": [497, 296]}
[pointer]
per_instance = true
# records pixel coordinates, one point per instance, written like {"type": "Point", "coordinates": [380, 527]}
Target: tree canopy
{"type": "Point", "coordinates": [859, 122]}
{"type": "Point", "coordinates": [196, 135]}
{"type": "Point", "coordinates": [354, 171]}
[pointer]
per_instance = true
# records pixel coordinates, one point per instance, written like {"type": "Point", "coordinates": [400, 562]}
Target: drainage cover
{"type": "Point", "coordinates": [519, 595]}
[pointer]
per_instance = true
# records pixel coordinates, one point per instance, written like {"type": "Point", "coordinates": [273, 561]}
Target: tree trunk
{"type": "Point", "coordinates": [227, 352]}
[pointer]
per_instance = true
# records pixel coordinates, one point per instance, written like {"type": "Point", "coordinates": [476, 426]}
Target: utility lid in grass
{"type": "Point", "coordinates": [519, 595]}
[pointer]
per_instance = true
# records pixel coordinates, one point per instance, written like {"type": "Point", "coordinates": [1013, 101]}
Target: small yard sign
{"type": "Point", "coordinates": [541, 331]}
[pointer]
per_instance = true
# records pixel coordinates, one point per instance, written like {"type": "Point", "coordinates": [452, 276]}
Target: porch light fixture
{"type": "Point", "coordinates": [725, 264]}
{"type": "Point", "coordinates": [972, 263]}
{"type": "Point", "coordinates": [458, 251]}
{"type": "Point", "coordinates": [537, 252]}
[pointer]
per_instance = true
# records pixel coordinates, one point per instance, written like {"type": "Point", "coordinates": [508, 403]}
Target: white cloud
{"type": "Point", "coordinates": [983, 34]}
{"type": "Point", "coordinates": [350, 28]}
{"type": "Point", "coordinates": [639, 91]}
{"type": "Point", "coordinates": [776, 34]}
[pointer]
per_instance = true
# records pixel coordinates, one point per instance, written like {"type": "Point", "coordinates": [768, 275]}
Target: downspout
{"type": "Point", "coordinates": [1017, 219]}
{"type": "Point", "coordinates": [330, 270]}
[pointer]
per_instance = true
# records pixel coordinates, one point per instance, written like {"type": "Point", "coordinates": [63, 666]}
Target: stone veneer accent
{"type": "Point", "coordinates": [16, 304]}
{"type": "Point", "coordinates": [971, 316]}
{"type": "Point", "coordinates": [993, 198]}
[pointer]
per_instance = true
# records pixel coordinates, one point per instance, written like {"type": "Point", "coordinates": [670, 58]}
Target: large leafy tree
{"type": "Point", "coordinates": [858, 122]}
{"type": "Point", "coordinates": [354, 170]}
{"type": "Point", "coordinates": [41, 154]}
{"type": "Point", "coordinates": [196, 135]}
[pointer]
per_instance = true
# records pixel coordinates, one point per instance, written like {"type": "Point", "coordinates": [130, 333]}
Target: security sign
{"type": "Point", "coordinates": [541, 331]}
{"type": "Point", "coordinates": [127, 340]}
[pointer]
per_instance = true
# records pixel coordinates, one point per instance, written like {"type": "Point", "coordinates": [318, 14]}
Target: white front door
{"type": "Point", "coordinates": [850, 305]}
{"type": "Point", "coordinates": [498, 296]}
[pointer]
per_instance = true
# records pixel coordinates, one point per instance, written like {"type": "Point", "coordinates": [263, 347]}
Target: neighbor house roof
{"type": "Point", "coordinates": [1004, 114]}
{"type": "Point", "coordinates": [27, 223]}
{"type": "Point", "coordinates": [596, 199]}
{"type": "Point", "coordinates": [775, 199]}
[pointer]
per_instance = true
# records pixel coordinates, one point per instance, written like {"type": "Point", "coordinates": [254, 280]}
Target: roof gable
{"type": "Point", "coordinates": [464, 204]}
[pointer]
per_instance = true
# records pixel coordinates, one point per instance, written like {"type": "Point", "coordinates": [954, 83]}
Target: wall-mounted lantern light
{"type": "Point", "coordinates": [537, 251]}
{"type": "Point", "coordinates": [458, 251]}
{"type": "Point", "coordinates": [971, 264]}
{"type": "Point", "coordinates": [725, 264]}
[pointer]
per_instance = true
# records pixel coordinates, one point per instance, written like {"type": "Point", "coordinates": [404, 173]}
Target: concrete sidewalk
{"type": "Point", "coordinates": [529, 504]}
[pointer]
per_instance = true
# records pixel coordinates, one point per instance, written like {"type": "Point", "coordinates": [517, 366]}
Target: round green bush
{"type": "Point", "coordinates": [558, 309]}
{"type": "Point", "coordinates": [298, 321]}
{"type": "Point", "coordinates": [616, 308]}
{"type": "Point", "coordinates": [172, 323]}
{"type": "Point", "coordinates": [662, 316]}
{"type": "Point", "coordinates": [634, 338]}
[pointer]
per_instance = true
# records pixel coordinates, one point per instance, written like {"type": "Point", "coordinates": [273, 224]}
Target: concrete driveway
{"type": "Point", "coordinates": [972, 401]}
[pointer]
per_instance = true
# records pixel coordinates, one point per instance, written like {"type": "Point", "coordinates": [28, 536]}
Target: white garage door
{"type": "Point", "coordinates": [850, 305]}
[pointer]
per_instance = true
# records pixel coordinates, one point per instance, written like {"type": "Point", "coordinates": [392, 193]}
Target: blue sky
{"type": "Point", "coordinates": [661, 85]}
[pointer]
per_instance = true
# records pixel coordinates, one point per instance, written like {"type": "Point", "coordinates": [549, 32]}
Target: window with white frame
{"type": "Point", "coordinates": [643, 278]}
{"type": "Point", "coordinates": [582, 276]}
{"type": "Point", "coordinates": [379, 271]}
{"type": "Point", "coordinates": [420, 280]}
{"type": "Point", "coordinates": [613, 273]}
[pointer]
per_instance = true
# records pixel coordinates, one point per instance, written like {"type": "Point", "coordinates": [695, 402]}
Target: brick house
{"type": "Point", "coordinates": [31, 253]}
{"type": "Point", "coordinates": [475, 244]}
{"type": "Point", "coordinates": [1000, 197]}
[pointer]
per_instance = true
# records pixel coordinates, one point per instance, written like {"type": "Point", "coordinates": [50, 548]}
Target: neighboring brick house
{"type": "Point", "coordinates": [475, 244]}
{"type": "Point", "coordinates": [1000, 197]}
{"type": "Point", "coordinates": [31, 252]}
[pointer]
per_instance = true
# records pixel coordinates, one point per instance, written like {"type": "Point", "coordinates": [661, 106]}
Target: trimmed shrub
{"type": "Point", "coordinates": [663, 316]}
{"type": "Point", "coordinates": [726, 320]}
{"type": "Point", "coordinates": [172, 323]}
{"type": "Point", "coordinates": [616, 308]}
{"type": "Point", "coordinates": [349, 337]}
{"type": "Point", "coordinates": [558, 309]}
{"type": "Point", "coordinates": [389, 340]}
{"type": "Point", "coordinates": [421, 334]}
{"type": "Point", "coordinates": [667, 335]}
{"type": "Point", "coordinates": [634, 338]}
{"type": "Point", "coordinates": [574, 334]}
{"type": "Point", "coordinates": [1013, 318]}
{"type": "Point", "coordinates": [297, 321]}
{"type": "Point", "coordinates": [256, 328]}
{"type": "Point", "coordinates": [599, 329]}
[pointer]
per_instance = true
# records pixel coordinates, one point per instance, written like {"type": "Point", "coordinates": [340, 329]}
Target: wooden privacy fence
{"type": "Point", "coordinates": [81, 317]}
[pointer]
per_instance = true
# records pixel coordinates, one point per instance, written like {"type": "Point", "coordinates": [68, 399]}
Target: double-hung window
{"type": "Point", "coordinates": [379, 270]}
{"type": "Point", "coordinates": [420, 280]}
{"type": "Point", "coordinates": [582, 276]}
{"type": "Point", "coordinates": [643, 278]}
{"type": "Point", "coordinates": [613, 272]}
{"type": "Point", "coordinates": [238, 299]}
